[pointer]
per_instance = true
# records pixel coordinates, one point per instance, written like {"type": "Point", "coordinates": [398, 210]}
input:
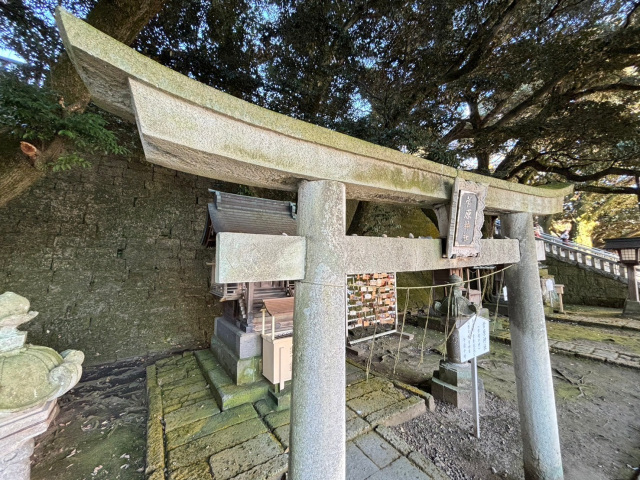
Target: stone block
{"type": "Point", "coordinates": [204, 447]}
{"type": "Point", "coordinates": [401, 469]}
{"type": "Point", "coordinates": [241, 370]}
{"type": "Point", "coordinates": [609, 355]}
{"type": "Point", "coordinates": [398, 413]}
{"type": "Point", "coordinates": [281, 399]}
{"type": "Point", "coordinates": [391, 437]}
{"type": "Point", "coordinates": [242, 344]}
{"type": "Point", "coordinates": [243, 457]}
{"type": "Point", "coordinates": [362, 388]}
{"type": "Point", "coordinates": [458, 396]}
{"type": "Point", "coordinates": [227, 393]}
{"type": "Point", "coordinates": [282, 434]}
{"type": "Point", "coordinates": [155, 441]}
{"type": "Point", "coordinates": [273, 469]}
{"type": "Point", "coordinates": [631, 309]}
{"type": "Point", "coordinates": [427, 466]}
{"type": "Point", "coordinates": [377, 449]}
{"type": "Point", "coordinates": [359, 466]}
{"type": "Point", "coordinates": [456, 374]}
{"type": "Point", "coordinates": [374, 401]}
{"type": "Point", "coordinates": [192, 413]}
{"type": "Point", "coordinates": [197, 471]}
{"type": "Point", "coordinates": [356, 427]}
{"type": "Point", "coordinates": [277, 419]}
{"type": "Point", "coordinates": [210, 425]}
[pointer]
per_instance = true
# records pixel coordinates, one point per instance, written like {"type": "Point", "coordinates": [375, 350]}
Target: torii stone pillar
{"type": "Point", "coordinates": [318, 405]}
{"type": "Point", "coordinates": [534, 381]}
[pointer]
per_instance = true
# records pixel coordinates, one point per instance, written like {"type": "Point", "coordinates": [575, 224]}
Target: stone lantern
{"type": "Point", "coordinates": [628, 250]}
{"type": "Point", "coordinates": [31, 379]}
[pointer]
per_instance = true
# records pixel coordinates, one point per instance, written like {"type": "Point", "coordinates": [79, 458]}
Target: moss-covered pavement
{"type": "Point", "coordinates": [190, 438]}
{"type": "Point", "coordinates": [594, 333]}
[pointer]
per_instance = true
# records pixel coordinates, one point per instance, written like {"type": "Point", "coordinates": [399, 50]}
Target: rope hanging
{"type": "Point", "coordinates": [404, 316]}
{"type": "Point", "coordinates": [447, 332]}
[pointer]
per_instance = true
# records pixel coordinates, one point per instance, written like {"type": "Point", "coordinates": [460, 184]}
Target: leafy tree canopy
{"type": "Point", "coordinates": [527, 90]}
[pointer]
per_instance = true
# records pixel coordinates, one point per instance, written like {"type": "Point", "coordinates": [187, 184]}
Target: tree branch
{"type": "Point", "coordinates": [607, 190]}
{"type": "Point", "coordinates": [568, 173]}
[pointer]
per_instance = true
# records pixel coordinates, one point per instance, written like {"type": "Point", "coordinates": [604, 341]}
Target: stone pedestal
{"type": "Point", "coordinates": [239, 352]}
{"type": "Point", "coordinates": [17, 432]}
{"type": "Point", "coordinates": [452, 384]}
{"type": "Point", "coordinates": [31, 379]}
{"type": "Point", "coordinates": [631, 309]}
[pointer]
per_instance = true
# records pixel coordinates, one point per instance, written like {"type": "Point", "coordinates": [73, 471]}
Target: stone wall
{"type": "Point", "coordinates": [583, 286]}
{"type": "Point", "coordinates": [111, 258]}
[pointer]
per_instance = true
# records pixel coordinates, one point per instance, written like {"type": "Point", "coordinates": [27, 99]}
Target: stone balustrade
{"type": "Point", "coordinates": [591, 259]}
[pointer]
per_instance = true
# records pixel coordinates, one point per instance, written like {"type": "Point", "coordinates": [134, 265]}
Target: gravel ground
{"type": "Point", "coordinates": [447, 439]}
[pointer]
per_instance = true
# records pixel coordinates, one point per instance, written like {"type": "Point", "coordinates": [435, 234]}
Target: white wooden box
{"type": "Point", "coordinates": [277, 358]}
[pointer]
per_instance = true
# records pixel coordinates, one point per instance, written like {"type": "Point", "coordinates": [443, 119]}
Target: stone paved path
{"type": "Point", "coordinates": [591, 350]}
{"type": "Point", "coordinates": [189, 438]}
{"type": "Point", "coordinates": [595, 317]}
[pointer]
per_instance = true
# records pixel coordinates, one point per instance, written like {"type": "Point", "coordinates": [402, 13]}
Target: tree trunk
{"type": "Point", "coordinates": [120, 19]}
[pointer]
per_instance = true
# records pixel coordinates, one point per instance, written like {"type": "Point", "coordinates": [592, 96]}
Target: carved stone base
{"type": "Point", "coordinates": [17, 431]}
{"type": "Point", "coordinates": [16, 463]}
{"type": "Point", "coordinates": [452, 384]}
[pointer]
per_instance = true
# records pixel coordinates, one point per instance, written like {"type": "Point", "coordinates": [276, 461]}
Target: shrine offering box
{"type": "Point", "coordinates": [277, 357]}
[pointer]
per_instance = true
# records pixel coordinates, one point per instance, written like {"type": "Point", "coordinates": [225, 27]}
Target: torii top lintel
{"type": "Point", "coordinates": [188, 126]}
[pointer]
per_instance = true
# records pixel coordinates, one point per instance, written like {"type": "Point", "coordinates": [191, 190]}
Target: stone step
{"type": "Point", "coordinates": [398, 413]}
{"type": "Point", "coordinates": [226, 393]}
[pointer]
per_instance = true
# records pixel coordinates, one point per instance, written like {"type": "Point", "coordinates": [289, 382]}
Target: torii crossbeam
{"type": "Point", "coordinates": [193, 128]}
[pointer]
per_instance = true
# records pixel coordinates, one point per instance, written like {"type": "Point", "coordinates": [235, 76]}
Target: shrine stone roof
{"type": "Point", "coordinates": [242, 214]}
{"type": "Point", "coordinates": [190, 127]}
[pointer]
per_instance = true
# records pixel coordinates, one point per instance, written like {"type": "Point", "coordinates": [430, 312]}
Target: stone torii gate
{"type": "Point", "coordinates": [193, 128]}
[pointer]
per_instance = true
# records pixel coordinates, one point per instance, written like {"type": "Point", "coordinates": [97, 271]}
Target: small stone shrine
{"type": "Point", "coordinates": [256, 315]}
{"type": "Point", "coordinates": [452, 381]}
{"type": "Point", "coordinates": [31, 380]}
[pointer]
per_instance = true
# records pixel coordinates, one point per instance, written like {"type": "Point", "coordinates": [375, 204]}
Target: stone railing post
{"type": "Point", "coordinates": [31, 380]}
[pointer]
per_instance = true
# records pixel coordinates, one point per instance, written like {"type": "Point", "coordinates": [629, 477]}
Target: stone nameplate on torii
{"type": "Point", "coordinates": [466, 218]}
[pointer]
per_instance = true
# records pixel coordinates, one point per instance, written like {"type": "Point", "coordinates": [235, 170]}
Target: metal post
{"type": "Point", "coordinates": [317, 440]}
{"type": "Point", "coordinates": [534, 382]}
{"type": "Point", "coordinates": [476, 404]}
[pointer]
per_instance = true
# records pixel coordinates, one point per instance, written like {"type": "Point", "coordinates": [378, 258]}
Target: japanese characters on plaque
{"type": "Point", "coordinates": [371, 297]}
{"type": "Point", "coordinates": [466, 218]}
{"type": "Point", "coordinates": [474, 338]}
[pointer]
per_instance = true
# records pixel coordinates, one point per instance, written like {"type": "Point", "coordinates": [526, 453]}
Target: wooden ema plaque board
{"type": "Point", "coordinates": [372, 299]}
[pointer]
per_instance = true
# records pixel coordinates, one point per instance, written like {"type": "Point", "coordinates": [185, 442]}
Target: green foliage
{"type": "Point", "coordinates": [32, 113]}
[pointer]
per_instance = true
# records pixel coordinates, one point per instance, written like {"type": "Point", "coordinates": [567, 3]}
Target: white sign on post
{"type": "Point", "coordinates": [474, 338]}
